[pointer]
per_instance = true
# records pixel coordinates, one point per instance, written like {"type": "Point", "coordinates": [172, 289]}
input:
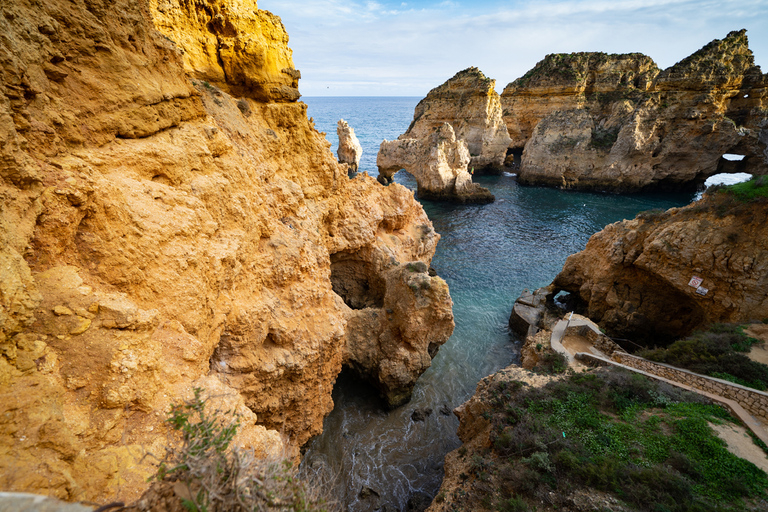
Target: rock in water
{"type": "Point", "coordinates": [439, 163]}
{"type": "Point", "coordinates": [350, 149]}
{"type": "Point", "coordinates": [471, 105]}
{"type": "Point", "coordinates": [617, 123]}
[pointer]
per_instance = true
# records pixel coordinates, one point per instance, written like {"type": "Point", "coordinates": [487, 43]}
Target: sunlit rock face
{"type": "Point", "coordinates": [637, 277]}
{"type": "Point", "coordinates": [170, 220]}
{"type": "Point", "coordinates": [617, 123]}
{"type": "Point", "coordinates": [350, 151]}
{"type": "Point", "coordinates": [470, 104]}
{"type": "Point", "coordinates": [439, 163]}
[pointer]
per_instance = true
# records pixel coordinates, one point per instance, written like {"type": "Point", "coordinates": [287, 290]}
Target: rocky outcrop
{"type": "Point", "coordinates": [471, 105]}
{"type": "Point", "coordinates": [350, 150]}
{"type": "Point", "coordinates": [659, 276]}
{"type": "Point", "coordinates": [617, 123]}
{"type": "Point", "coordinates": [393, 344]}
{"type": "Point", "coordinates": [160, 234]}
{"type": "Point", "coordinates": [439, 163]}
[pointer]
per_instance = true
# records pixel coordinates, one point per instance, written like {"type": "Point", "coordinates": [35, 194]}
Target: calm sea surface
{"type": "Point", "coordinates": [488, 255]}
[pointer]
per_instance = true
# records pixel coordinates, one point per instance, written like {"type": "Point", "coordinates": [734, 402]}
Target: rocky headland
{"type": "Point", "coordinates": [657, 277]}
{"type": "Point", "coordinates": [457, 130]}
{"type": "Point", "coordinates": [470, 104]}
{"type": "Point", "coordinates": [171, 219]}
{"type": "Point", "coordinates": [618, 123]}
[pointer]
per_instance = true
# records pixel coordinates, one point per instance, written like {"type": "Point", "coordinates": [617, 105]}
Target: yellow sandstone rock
{"type": "Point", "coordinates": [191, 234]}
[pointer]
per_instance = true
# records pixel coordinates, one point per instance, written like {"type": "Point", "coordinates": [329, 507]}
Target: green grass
{"type": "Point", "coordinates": [648, 444]}
{"type": "Point", "coordinates": [751, 190]}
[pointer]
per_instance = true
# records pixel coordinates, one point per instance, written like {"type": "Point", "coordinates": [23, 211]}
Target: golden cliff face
{"type": "Point", "coordinates": [470, 104]}
{"type": "Point", "coordinates": [634, 277]}
{"type": "Point", "coordinates": [160, 234]}
{"type": "Point", "coordinates": [616, 123]}
{"type": "Point", "coordinates": [233, 45]}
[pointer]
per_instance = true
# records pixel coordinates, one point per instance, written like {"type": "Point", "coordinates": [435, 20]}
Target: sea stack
{"type": "Point", "coordinates": [350, 149]}
{"type": "Point", "coordinates": [439, 163]}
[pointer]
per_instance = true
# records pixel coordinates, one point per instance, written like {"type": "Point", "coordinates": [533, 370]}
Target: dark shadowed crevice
{"type": "Point", "coordinates": [356, 281]}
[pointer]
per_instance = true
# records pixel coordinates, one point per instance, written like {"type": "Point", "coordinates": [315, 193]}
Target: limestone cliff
{"type": "Point", "coordinates": [159, 233]}
{"type": "Point", "coordinates": [635, 277]}
{"type": "Point", "coordinates": [470, 104]}
{"type": "Point", "coordinates": [617, 123]}
{"type": "Point", "coordinates": [232, 45]}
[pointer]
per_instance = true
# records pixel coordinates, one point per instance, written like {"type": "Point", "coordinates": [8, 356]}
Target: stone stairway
{"type": "Point", "coordinates": [748, 405]}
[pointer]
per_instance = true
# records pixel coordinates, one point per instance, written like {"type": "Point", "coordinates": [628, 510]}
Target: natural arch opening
{"type": "Point", "coordinates": [514, 158]}
{"type": "Point", "coordinates": [356, 281]}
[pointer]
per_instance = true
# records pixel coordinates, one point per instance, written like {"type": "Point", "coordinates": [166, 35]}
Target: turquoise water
{"type": "Point", "coordinates": [488, 254]}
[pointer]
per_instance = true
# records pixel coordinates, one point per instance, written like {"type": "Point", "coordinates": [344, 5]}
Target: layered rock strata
{"type": "Point", "coordinates": [659, 276]}
{"type": "Point", "coordinates": [617, 123]}
{"type": "Point", "coordinates": [439, 163]}
{"type": "Point", "coordinates": [350, 150]}
{"type": "Point", "coordinates": [471, 105]}
{"type": "Point", "coordinates": [159, 234]}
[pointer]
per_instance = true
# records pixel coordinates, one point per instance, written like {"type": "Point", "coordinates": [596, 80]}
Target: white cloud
{"type": "Point", "coordinates": [369, 48]}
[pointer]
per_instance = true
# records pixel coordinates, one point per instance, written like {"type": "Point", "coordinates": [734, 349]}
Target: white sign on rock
{"type": "Point", "coordinates": [695, 282]}
{"type": "Point", "coordinates": [701, 290]}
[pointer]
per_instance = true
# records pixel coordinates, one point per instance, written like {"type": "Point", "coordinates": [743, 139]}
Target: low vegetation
{"type": "Point", "coordinates": [750, 190]}
{"type": "Point", "coordinates": [717, 352]}
{"type": "Point", "coordinates": [208, 475]}
{"type": "Point", "coordinates": [610, 434]}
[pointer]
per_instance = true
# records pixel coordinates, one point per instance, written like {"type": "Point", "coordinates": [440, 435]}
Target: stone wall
{"type": "Point", "coordinates": [755, 402]}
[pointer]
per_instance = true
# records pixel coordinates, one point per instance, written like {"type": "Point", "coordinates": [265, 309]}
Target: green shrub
{"type": "Point", "coordinates": [643, 441]}
{"type": "Point", "coordinates": [749, 190]}
{"type": "Point", "coordinates": [715, 352]}
{"type": "Point", "coordinates": [552, 363]}
{"type": "Point", "coordinates": [514, 504]}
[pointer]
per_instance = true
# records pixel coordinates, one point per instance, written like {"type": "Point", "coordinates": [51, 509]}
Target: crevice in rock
{"type": "Point", "coordinates": [356, 281]}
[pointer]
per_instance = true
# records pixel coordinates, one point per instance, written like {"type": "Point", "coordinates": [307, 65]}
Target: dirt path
{"type": "Point", "coordinates": [741, 445]}
{"type": "Point", "coordinates": [759, 353]}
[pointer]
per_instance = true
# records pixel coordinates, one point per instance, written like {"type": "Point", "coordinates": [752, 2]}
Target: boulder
{"type": "Point", "coordinates": [350, 149]}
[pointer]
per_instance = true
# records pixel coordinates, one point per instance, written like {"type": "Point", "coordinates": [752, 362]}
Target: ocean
{"type": "Point", "coordinates": [488, 255]}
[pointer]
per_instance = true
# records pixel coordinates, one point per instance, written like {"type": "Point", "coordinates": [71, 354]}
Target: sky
{"type": "Point", "coordinates": [406, 48]}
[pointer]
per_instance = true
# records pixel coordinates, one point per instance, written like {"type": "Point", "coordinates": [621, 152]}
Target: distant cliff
{"type": "Point", "coordinates": [171, 219]}
{"type": "Point", "coordinates": [617, 123]}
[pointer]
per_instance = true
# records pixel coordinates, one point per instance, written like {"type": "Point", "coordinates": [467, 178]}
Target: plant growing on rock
{"type": "Point", "coordinates": [206, 474]}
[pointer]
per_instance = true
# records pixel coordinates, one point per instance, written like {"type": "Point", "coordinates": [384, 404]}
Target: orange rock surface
{"type": "Point", "coordinates": [635, 277]}
{"type": "Point", "coordinates": [170, 219]}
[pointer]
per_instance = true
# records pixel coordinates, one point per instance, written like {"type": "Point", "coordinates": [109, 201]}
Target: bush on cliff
{"type": "Point", "coordinates": [644, 444]}
{"type": "Point", "coordinates": [717, 352]}
{"type": "Point", "coordinates": [205, 474]}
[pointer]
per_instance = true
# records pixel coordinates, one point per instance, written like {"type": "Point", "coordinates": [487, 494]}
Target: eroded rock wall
{"type": "Point", "coordinates": [160, 233]}
{"type": "Point", "coordinates": [634, 277]}
{"type": "Point", "coordinates": [617, 123]}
